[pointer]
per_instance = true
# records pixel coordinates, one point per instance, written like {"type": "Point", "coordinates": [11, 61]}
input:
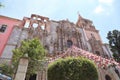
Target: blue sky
{"type": "Point", "coordinates": [103, 13]}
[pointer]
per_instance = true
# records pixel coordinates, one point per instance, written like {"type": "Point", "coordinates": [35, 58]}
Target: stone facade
{"type": "Point", "coordinates": [56, 36]}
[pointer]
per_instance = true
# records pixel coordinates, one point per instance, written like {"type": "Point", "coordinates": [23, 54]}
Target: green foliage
{"type": "Point", "coordinates": [33, 48]}
{"type": "Point", "coordinates": [6, 69]}
{"type": "Point", "coordinates": [72, 69]}
{"type": "Point", "coordinates": [116, 57]}
{"type": "Point", "coordinates": [114, 42]}
{"type": "Point", "coordinates": [35, 52]}
{"type": "Point", "coordinates": [1, 5]}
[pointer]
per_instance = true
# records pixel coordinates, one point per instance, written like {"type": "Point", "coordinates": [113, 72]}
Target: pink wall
{"type": "Point", "coordinates": [10, 22]}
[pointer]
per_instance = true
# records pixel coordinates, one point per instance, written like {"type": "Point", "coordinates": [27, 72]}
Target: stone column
{"type": "Point", "coordinates": [22, 69]}
{"type": "Point", "coordinates": [39, 75]}
{"type": "Point", "coordinates": [101, 74]}
{"type": "Point", "coordinates": [42, 73]}
{"type": "Point", "coordinates": [114, 76]}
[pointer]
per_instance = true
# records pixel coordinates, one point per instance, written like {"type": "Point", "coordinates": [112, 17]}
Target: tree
{"type": "Point", "coordinates": [114, 42]}
{"type": "Point", "coordinates": [72, 69]}
{"type": "Point", "coordinates": [35, 52]}
{"type": "Point", "coordinates": [1, 5]}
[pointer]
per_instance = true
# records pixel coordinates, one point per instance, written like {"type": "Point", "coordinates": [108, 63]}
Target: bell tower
{"type": "Point", "coordinates": [91, 35]}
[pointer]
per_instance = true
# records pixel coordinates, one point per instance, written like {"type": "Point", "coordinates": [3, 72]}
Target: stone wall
{"type": "Point", "coordinates": [11, 44]}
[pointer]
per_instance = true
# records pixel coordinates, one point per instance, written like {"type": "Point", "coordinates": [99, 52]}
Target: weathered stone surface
{"type": "Point", "coordinates": [24, 35]}
{"type": "Point", "coordinates": [5, 60]}
{"type": "Point", "coordinates": [15, 36]}
{"type": "Point", "coordinates": [7, 53]}
{"type": "Point", "coordinates": [22, 68]}
{"type": "Point", "coordinates": [56, 37]}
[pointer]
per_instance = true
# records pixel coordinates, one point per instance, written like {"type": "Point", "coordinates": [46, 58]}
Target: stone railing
{"type": "Point", "coordinates": [5, 60]}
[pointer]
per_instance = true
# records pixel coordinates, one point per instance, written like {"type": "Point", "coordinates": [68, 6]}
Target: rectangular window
{"type": "Point", "coordinates": [3, 28]}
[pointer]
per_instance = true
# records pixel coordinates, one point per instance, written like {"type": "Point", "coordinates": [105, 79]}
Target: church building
{"type": "Point", "coordinates": [55, 36]}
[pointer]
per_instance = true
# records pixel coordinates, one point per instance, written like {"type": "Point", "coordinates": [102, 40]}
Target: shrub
{"type": "Point", "coordinates": [72, 69]}
{"type": "Point", "coordinates": [6, 69]}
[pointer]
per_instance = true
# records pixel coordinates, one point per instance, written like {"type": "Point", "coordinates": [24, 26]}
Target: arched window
{"type": "Point", "coordinates": [27, 24]}
{"type": "Point", "coordinates": [43, 27]}
{"type": "Point", "coordinates": [97, 53]}
{"type": "Point", "coordinates": [35, 25]}
{"type": "Point", "coordinates": [69, 43]}
{"type": "Point", "coordinates": [33, 77]}
{"type": "Point", "coordinates": [107, 77]}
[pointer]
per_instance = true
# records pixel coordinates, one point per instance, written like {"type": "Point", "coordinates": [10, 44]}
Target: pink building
{"type": "Point", "coordinates": [6, 26]}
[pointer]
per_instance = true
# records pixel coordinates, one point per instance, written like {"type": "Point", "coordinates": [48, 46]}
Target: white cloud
{"type": "Point", "coordinates": [99, 9]}
{"type": "Point", "coordinates": [107, 2]}
{"type": "Point", "coordinates": [104, 6]}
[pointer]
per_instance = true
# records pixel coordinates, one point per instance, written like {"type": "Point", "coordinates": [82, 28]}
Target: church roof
{"type": "Point", "coordinates": [76, 52]}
